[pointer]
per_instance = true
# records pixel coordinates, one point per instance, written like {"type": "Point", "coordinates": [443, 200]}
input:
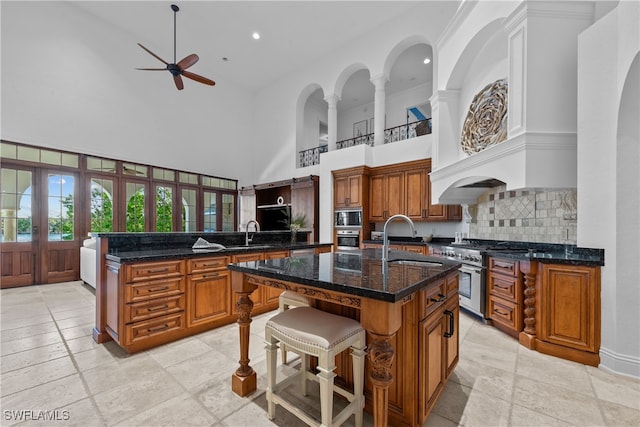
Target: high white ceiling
{"type": "Point", "coordinates": [294, 33]}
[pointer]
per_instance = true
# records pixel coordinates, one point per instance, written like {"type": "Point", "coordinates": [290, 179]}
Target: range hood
{"type": "Point", "coordinates": [529, 160]}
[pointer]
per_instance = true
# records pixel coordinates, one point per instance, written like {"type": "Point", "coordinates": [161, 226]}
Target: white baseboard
{"type": "Point", "coordinates": [619, 363]}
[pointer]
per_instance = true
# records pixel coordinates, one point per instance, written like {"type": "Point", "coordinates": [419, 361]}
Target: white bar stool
{"type": "Point", "coordinates": [312, 332]}
{"type": "Point", "coordinates": [287, 300]}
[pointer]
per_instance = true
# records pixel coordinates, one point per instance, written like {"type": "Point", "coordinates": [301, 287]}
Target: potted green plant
{"type": "Point", "coordinates": [297, 222]}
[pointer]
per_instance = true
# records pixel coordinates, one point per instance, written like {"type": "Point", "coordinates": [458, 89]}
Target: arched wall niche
{"type": "Point", "coordinates": [344, 76]}
{"type": "Point", "coordinates": [397, 50]}
{"type": "Point", "coordinates": [310, 110]}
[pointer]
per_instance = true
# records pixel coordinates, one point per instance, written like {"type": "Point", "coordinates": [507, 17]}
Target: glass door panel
{"type": "Point", "coordinates": [101, 205]}
{"type": "Point", "coordinates": [61, 203]}
{"type": "Point", "coordinates": [18, 229]}
{"type": "Point", "coordinates": [210, 213]}
{"type": "Point", "coordinates": [228, 213]}
{"type": "Point", "coordinates": [189, 212]}
{"type": "Point", "coordinates": [135, 206]}
{"type": "Point", "coordinates": [164, 208]}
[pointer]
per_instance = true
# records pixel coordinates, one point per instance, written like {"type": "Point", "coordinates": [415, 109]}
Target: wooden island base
{"type": "Point", "coordinates": [404, 340]}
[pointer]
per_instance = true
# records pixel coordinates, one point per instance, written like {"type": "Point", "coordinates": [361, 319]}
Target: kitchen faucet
{"type": "Point", "coordinates": [247, 240]}
{"type": "Point", "coordinates": [385, 237]}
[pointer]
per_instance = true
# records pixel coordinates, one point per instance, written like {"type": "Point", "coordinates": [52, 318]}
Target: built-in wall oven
{"type": "Point", "coordinates": [348, 239]}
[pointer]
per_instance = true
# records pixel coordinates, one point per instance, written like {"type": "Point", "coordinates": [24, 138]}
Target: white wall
{"type": "Point", "coordinates": [314, 113]}
{"type": "Point", "coordinates": [62, 87]}
{"type": "Point", "coordinates": [608, 184]}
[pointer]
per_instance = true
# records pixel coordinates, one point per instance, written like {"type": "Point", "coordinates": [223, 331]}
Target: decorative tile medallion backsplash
{"type": "Point", "coordinates": [533, 215]}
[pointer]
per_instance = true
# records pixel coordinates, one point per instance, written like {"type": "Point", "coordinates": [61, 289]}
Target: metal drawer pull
{"type": "Point", "coordinates": [159, 328]}
{"type": "Point", "coordinates": [495, 310]}
{"type": "Point", "coordinates": [501, 287]}
{"type": "Point", "coordinates": [215, 264]}
{"type": "Point", "coordinates": [164, 288]}
{"type": "Point", "coordinates": [440, 298]}
{"type": "Point", "coordinates": [158, 308]}
{"type": "Point", "coordinates": [451, 324]}
{"type": "Point", "coordinates": [206, 276]}
{"type": "Point", "coordinates": [160, 270]}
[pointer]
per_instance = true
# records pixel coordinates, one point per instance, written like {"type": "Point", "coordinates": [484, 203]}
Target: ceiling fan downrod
{"type": "Point", "coordinates": [175, 13]}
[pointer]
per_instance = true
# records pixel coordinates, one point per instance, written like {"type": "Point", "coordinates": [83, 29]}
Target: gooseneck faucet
{"type": "Point", "coordinates": [247, 240]}
{"type": "Point", "coordinates": [385, 238]}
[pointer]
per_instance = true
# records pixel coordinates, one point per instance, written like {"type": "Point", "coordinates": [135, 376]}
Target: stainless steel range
{"type": "Point", "coordinates": [472, 287]}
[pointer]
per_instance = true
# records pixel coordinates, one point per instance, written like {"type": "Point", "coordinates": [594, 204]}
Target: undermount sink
{"type": "Point", "coordinates": [246, 248]}
{"type": "Point", "coordinates": [415, 263]}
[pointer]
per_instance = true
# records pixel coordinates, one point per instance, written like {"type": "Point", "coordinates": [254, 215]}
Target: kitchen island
{"type": "Point", "coordinates": [409, 307]}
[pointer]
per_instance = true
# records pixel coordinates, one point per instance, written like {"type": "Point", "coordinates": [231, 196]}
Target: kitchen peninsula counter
{"type": "Point", "coordinates": [409, 307]}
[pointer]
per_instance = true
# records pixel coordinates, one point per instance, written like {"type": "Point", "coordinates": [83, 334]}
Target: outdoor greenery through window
{"type": "Point", "coordinates": [61, 207]}
{"type": "Point", "coordinates": [164, 208]}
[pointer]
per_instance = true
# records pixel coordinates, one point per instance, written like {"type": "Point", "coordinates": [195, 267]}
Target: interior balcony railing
{"type": "Point", "coordinates": [311, 156]}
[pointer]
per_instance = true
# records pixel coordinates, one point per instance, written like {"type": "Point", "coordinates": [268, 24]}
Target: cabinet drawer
{"type": "Point", "coordinates": [431, 298]}
{"type": "Point", "coordinates": [504, 266]}
{"type": "Point", "coordinates": [200, 265]}
{"type": "Point", "coordinates": [505, 312]}
{"type": "Point", "coordinates": [153, 308]}
{"type": "Point", "coordinates": [452, 284]}
{"type": "Point", "coordinates": [136, 332]}
{"type": "Point", "coordinates": [504, 286]}
{"type": "Point", "coordinates": [153, 270]}
{"type": "Point", "coordinates": [159, 288]}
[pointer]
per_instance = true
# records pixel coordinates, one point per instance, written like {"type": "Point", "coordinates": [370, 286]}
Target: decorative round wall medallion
{"type": "Point", "coordinates": [486, 122]}
{"type": "Point", "coordinates": [280, 200]}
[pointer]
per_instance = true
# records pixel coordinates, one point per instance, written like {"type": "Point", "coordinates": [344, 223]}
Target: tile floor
{"type": "Point", "coordinates": [50, 362]}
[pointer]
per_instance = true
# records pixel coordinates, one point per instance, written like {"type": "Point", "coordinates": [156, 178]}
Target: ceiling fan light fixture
{"type": "Point", "coordinates": [178, 68]}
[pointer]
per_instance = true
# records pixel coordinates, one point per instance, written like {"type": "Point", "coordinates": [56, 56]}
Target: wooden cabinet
{"type": "Point", "coordinates": [569, 324]}
{"type": "Point", "coordinates": [350, 186]}
{"type": "Point", "coordinates": [209, 291]}
{"type": "Point", "coordinates": [405, 188]}
{"type": "Point", "coordinates": [264, 298]}
{"type": "Point", "coordinates": [386, 195]}
{"type": "Point", "coordinates": [151, 304]}
{"type": "Point", "coordinates": [505, 295]}
{"type": "Point", "coordinates": [438, 341]}
{"type": "Point", "coordinates": [418, 249]}
{"type": "Point", "coordinates": [304, 200]}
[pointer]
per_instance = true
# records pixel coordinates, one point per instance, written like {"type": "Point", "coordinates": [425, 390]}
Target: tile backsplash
{"type": "Point", "coordinates": [531, 215]}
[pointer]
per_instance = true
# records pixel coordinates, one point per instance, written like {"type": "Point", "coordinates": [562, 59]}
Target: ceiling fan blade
{"type": "Point", "coordinates": [178, 81]}
{"type": "Point", "coordinates": [152, 69]}
{"type": "Point", "coordinates": [188, 61]}
{"type": "Point", "coordinates": [154, 55]}
{"type": "Point", "coordinates": [198, 78]}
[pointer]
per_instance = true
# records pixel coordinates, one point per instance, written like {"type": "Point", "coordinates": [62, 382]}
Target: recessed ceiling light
{"type": "Point", "coordinates": [426, 60]}
{"type": "Point", "coordinates": [224, 58]}
{"type": "Point", "coordinates": [255, 36]}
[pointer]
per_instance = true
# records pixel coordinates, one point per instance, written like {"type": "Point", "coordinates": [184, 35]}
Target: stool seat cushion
{"type": "Point", "coordinates": [313, 327]}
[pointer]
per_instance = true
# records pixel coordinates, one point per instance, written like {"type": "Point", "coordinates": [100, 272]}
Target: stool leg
{"type": "Point", "coordinates": [272, 349]}
{"type": "Point", "coordinates": [357, 355]}
{"type": "Point", "coordinates": [283, 349]}
{"type": "Point", "coordinates": [304, 368]}
{"type": "Point", "coordinates": [325, 378]}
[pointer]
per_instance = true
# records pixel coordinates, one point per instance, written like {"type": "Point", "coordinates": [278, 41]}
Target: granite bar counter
{"type": "Point", "coordinates": [408, 305]}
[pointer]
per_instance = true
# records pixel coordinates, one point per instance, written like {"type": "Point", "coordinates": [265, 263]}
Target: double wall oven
{"type": "Point", "coordinates": [348, 227]}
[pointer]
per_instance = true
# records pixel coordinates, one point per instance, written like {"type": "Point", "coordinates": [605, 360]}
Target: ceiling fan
{"type": "Point", "coordinates": [178, 69]}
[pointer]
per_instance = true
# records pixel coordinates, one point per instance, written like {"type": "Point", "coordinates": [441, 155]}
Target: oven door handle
{"type": "Point", "coordinates": [470, 270]}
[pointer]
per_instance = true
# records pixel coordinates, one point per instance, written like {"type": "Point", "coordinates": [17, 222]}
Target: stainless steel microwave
{"type": "Point", "coordinates": [348, 218]}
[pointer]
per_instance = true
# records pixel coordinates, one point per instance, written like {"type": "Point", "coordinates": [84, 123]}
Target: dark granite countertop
{"type": "Point", "coordinates": [577, 258]}
{"type": "Point", "coordinates": [356, 272]}
{"type": "Point", "coordinates": [132, 255]}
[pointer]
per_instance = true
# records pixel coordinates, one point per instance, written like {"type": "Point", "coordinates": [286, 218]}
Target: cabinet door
{"type": "Point", "coordinates": [432, 354]}
{"type": "Point", "coordinates": [340, 192]}
{"type": "Point", "coordinates": [354, 198]}
{"type": "Point", "coordinates": [394, 193]}
{"type": "Point", "coordinates": [435, 212]}
{"type": "Point", "coordinates": [209, 297]}
{"type": "Point", "coordinates": [417, 194]}
{"type": "Point", "coordinates": [571, 306]}
{"type": "Point", "coordinates": [377, 198]}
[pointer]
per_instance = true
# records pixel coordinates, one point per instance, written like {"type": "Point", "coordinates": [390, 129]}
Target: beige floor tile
{"type": "Point", "coordinates": [620, 415]}
{"type": "Point", "coordinates": [452, 402]}
{"type": "Point", "coordinates": [29, 342]}
{"type": "Point", "coordinates": [87, 311]}
{"type": "Point", "coordinates": [496, 382]}
{"type": "Point", "coordinates": [482, 410]}
{"type": "Point", "coordinates": [77, 345]}
{"type": "Point", "coordinates": [92, 358]}
{"type": "Point", "coordinates": [178, 351]}
{"type": "Point", "coordinates": [557, 402]}
{"type": "Point", "coordinates": [27, 331]}
{"type": "Point", "coordinates": [49, 396]}
{"type": "Point", "coordinates": [113, 374]}
{"type": "Point", "coordinates": [615, 388]}
{"type": "Point", "coordinates": [34, 375]}
{"type": "Point", "coordinates": [182, 410]}
{"type": "Point", "coordinates": [83, 413]}
{"type": "Point", "coordinates": [255, 416]}
{"type": "Point", "coordinates": [524, 417]}
{"type": "Point", "coordinates": [220, 400]}
{"type": "Point", "coordinates": [77, 331]}
{"type": "Point", "coordinates": [137, 394]}
{"type": "Point", "coordinates": [25, 321]}
{"type": "Point", "coordinates": [554, 371]}
{"type": "Point", "coordinates": [203, 370]}
{"type": "Point", "coordinates": [488, 355]}
{"type": "Point", "coordinates": [73, 322]}
{"type": "Point", "coordinates": [435, 420]}
{"type": "Point", "coordinates": [25, 358]}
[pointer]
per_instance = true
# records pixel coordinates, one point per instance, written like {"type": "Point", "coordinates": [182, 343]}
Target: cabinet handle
{"type": "Point", "coordinates": [206, 276]}
{"type": "Point", "coordinates": [164, 288]}
{"type": "Point", "coordinates": [159, 270]}
{"type": "Point", "coordinates": [440, 298]}
{"type": "Point", "coordinates": [162, 307]}
{"type": "Point", "coordinates": [215, 264]}
{"type": "Point", "coordinates": [424, 213]}
{"type": "Point", "coordinates": [451, 324]}
{"type": "Point", "coordinates": [496, 285]}
{"type": "Point", "coordinates": [158, 328]}
{"type": "Point", "coordinates": [495, 310]}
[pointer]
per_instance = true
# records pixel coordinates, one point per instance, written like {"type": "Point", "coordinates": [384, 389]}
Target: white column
{"type": "Point", "coordinates": [332, 120]}
{"type": "Point", "coordinates": [445, 127]}
{"type": "Point", "coordinates": [380, 108]}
